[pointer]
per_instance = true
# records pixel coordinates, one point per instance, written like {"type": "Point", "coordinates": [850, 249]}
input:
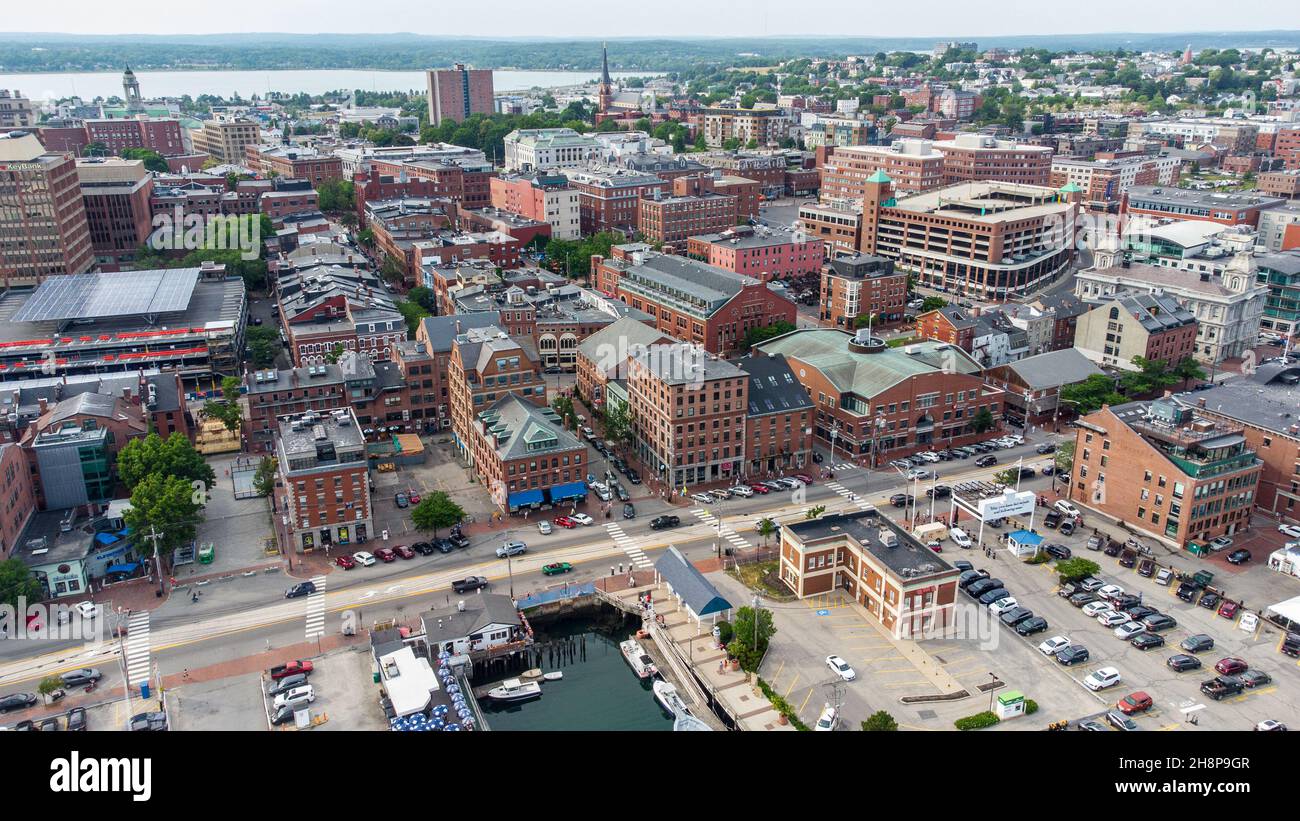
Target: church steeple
{"type": "Point", "coordinates": [604, 63]}
{"type": "Point", "coordinates": [605, 91]}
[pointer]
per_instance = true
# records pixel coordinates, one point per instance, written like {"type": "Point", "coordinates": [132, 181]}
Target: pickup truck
{"type": "Point", "coordinates": [1221, 687]}
{"type": "Point", "coordinates": [468, 584]}
{"type": "Point", "coordinates": [291, 668]}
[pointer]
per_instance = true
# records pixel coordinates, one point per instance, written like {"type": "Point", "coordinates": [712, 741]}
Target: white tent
{"type": "Point", "coordinates": [1286, 560]}
{"type": "Point", "coordinates": [1289, 609]}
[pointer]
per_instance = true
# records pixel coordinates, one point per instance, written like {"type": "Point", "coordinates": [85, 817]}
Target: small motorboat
{"type": "Point", "coordinates": [534, 674]}
{"type": "Point", "coordinates": [641, 664]}
{"type": "Point", "coordinates": [512, 689]}
{"type": "Point", "coordinates": [685, 723]}
{"type": "Point", "coordinates": [553, 676]}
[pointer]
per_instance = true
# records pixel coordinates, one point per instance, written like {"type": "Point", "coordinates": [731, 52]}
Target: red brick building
{"type": "Point", "coordinates": [41, 202]}
{"type": "Point", "coordinates": [758, 253]}
{"type": "Point", "coordinates": [610, 200]}
{"type": "Point", "coordinates": [693, 301]}
{"type": "Point", "coordinates": [465, 182]}
{"type": "Point", "coordinates": [116, 195]}
{"type": "Point", "coordinates": [486, 364]}
{"type": "Point", "coordinates": [322, 494]}
{"type": "Point", "coordinates": [280, 204]}
{"type": "Point", "coordinates": [692, 208]}
{"type": "Point", "coordinates": [913, 165]}
{"type": "Point", "coordinates": [163, 136]}
{"type": "Point", "coordinates": [521, 453]}
{"type": "Point", "coordinates": [294, 162]}
{"type": "Point", "coordinates": [17, 496]}
{"type": "Point", "coordinates": [979, 157]}
{"type": "Point", "coordinates": [458, 92]}
{"type": "Point", "coordinates": [861, 285]}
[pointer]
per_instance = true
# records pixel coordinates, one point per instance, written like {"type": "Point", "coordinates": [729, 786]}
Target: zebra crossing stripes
{"type": "Point", "coordinates": [730, 535]}
{"type": "Point", "coordinates": [136, 648]}
{"type": "Point", "coordinates": [628, 546]}
{"type": "Point", "coordinates": [316, 609]}
{"type": "Point", "coordinates": [848, 494]}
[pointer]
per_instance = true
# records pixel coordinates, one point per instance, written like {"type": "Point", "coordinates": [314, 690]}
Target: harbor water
{"type": "Point", "coordinates": [599, 691]}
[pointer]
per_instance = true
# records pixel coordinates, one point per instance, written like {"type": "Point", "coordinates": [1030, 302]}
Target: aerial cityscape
{"type": "Point", "coordinates": [735, 380]}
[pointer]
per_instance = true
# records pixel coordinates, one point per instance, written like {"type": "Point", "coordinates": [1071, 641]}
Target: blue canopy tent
{"type": "Point", "coordinates": [696, 593]}
{"type": "Point", "coordinates": [565, 492]}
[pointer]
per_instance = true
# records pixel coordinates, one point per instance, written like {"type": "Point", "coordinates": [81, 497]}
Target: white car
{"type": "Point", "coordinates": [1101, 679]}
{"type": "Point", "coordinates": [87, 609]}
{"type": "Point", "coordinates": [603, 494]}
{"type": "Point", "coordinates": [742, 490]}
{"type": "Point", "coordinates": [1129, 629]}
{"type": "Point", "coordinates": [544, 527]}
{"type": "Point", "coordinates": [581, 518]}
{"type": "Point", "coordinates": [841, 668]}
{"type": "Point", "coordinates": [1054, 645]}
{"type": "Point", "coordinates": [1067, 508]}
{"type": "Point", "coordinates": [1091, 584]}
{"type": "Point", "coordinates": [960, 538]}
{"type": "Point", "coordinates": [828, 720]}
{"type": "Point", "coordinates": [1095, 608]}
{"type": "Point", "coordinates": [1108, 591]}
{"type": "Point", "coordinates": [1220, 543]}
{"type": "Point", "coordinates": [297, 697]}
{"type": "Point", "coordinates": [929, 456]}
{"type": "Point", "coordinates": [1113, 618]}
{"type": "Point", "coordinates": [919, 473]}
{"type": "Point", "coordinates": [702, 498]}
{"type": "Point", "coordinates": [1014, 438]}
{"type": "Point", "coordinates": [1004, 604]}
{"type": "Point", "coordinates": [1290, 530]}
{"type": "Point", "coordinates": [363, 558]}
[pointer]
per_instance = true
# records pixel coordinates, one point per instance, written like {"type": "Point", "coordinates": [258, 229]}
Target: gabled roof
{"type": "Point", "coordinates": [772, 385]}
{"type": "Point", "coordinates": [450, 623]}
{"type": "Point", "coordinates": [607, 346]}
{"type": "Point", "coordinates": [697, 592]}
{"type": "Point", "coordinates": [1054, 368]}
{"type": "Point", "coordinates": [525, 429]}
{"type": "Point", "coordinates": [441, 331]}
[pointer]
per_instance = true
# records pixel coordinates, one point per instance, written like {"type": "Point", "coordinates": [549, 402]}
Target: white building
{"type": "Point", "coordinates": [549, 149]}
{"type": "Point", "coordinates": [358, 157]}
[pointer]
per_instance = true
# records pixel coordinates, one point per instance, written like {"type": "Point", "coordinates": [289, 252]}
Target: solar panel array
{"type": "Point", "coordinates": [125, 293]}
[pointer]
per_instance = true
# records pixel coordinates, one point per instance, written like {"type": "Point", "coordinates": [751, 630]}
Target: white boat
{"type": "Point", "coordinates": [667, 696]}
{"type": "Point", "coordinates": [641, 664]}
{"type": "Point", "coordinates": [685, 723]}
{"type": "Point", "coordinates": [555, 676]}
{"type": "Point", "coordinates": [512, 689]}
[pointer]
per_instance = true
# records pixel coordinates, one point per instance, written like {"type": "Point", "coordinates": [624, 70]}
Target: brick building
{"type": "Point", "coordinates": [610, 199]}
{"type": "Point", "coordinates": [226, 140]}
{"type": "Point", "coordinates": [913, 165]}
{"type": "Point", "coordinates": [1165, 470]}
{"type": "Point", "coordinates": [524, 457]}
{"type": "Point", "coordinates": [116, 196]}
{"type": "Point", "coordinates": [486, 364]}
{"type": "Point", "coordinates": [981, 158]}
{"type": "Point", "coordinates": [166, 136]}
{"type": "Point", "coordinates": [542, 197]}
{"type": "Point", "coordinates": [837, 225]}
{"type": "Point", "coordinates": [692, 208]}
{"type": "Point", "coordinates": [758, 252]}
{"type": "Point", "coordinates": [1240, 208]}
{"type": "Point", "coordinates": [458, 92]}
{"type": "Point", "coordinates": [322, 494]}
{"type": "Point", "coordinates": [861, 285]}
{"type": "Point", "coordinates": [294, 162]}
{"type": "Point", "coordinates": [17, 496]}
{"type": "Point", "coordinates": [41, 201]}
{"type": "Point", "coordinates": [779, 419]}
{"type": "Point", "coordinates": [768, 169]}
{"type": "Point", "coordinates": [273, 393]}
{"type": "Point", "coordinates": [1154, 326]}
{"type": "Point", "coordinates": [692, 301]}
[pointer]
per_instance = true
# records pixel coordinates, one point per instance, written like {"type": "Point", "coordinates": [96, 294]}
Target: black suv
{"type": "Point", "coordinates": [1052, 519]}
{"type": "Point", "coordinates": [423, 548]}
{"type": "Point", "coordinates": [979, 588]}
{"type": "Point", "coordinates": [664, 522]}
{"type": "Point", "coordinates": [939, 492]}
{"type": "Point", "coordinates": [1187, 591]}
{"type": "Point", "coordinates": [986, 460]}
{"type": "Point", "coordinates": [1083, 597]}
{"type": "Point", "coordinates": [901, 499]}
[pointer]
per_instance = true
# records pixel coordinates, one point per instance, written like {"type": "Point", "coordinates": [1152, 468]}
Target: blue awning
{"type": "Point", "coordinates": [112, 553]}
{"type": "Point", "coordinates": [524, 498]}
{"type": "Point", "coordinates": [571, 490]}
{"type": "Point", "coordinates": [107, 538]}
{"type": "Point", "coordinates": [1025, 537]}
{"type": "Point", "coordinates": [123, 568]}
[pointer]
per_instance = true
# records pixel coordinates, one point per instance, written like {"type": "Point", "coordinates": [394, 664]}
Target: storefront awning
{"type": "Point", "coordinates": [571, 490]}
{"type": "Point", "coordinates": [123, 568]}
{"type": "Point", "coordinates": [524, 498]}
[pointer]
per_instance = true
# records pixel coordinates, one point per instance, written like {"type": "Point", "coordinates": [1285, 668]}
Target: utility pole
{"type": "Point", "coordinates": [510, 569]}
{"type": "Point", "coordinates": [153, 535]}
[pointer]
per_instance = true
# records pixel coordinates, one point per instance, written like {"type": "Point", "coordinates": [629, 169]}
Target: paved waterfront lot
{"type": "Point", "coordinates": [232, 703]}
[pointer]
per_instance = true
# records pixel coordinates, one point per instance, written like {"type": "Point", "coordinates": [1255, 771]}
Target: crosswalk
{"type": "Point", "coordinates": [848, 494]}
{"type": "Point", "coordinates": [737, 541]}
{"type": "Point", "coordinates": [628, 546]}
{"type": "Point", "coordinates": [136, 648]}
{"type": "Point", "coordinates": [316, 609]}
{"type": "Point", "coordinates": [843, 466]}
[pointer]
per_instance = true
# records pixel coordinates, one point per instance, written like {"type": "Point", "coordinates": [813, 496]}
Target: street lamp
{"type": "Point", "coordinates": [835, 432]}
{"type": "Point", "coordinates": [510, 568]}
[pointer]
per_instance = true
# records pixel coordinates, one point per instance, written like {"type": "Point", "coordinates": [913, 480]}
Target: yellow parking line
{"type": "Point", "coordinates": [895, 672]}
{"type": "Point", "coordinates": [777, 674]}
{"type": "Point", "coordinates": [805, 700]}
{"type": "Point", "coordinates": [790, 689]}
{"type": "Point", "coordinates": [879, 658]}
{"type": "Point", "coordinates": [901, 685]}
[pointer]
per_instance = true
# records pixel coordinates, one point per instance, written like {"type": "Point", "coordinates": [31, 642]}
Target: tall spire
{"type": "Point", "coordinates": [604, 63]}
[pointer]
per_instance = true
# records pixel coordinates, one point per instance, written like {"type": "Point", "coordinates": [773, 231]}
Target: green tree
{"type": "Point", "coordinates": [1151, 375]}
{"type": "Point", "coordinates": [424, 297]}
{"type": "Point", "coordinates": [336, 196]}
{"type": "Point", "coordinates": [1007, 477]}
{"type": "Point", "coordinates": [153, 161]}
{"type": "Point", "coordinates": [1090, 394]}
{"type": "Point", "coordinates": [563, 407]}
{"type": "Point", "coordinates": [335, 353]}
{"type": "Point", "coordinates": [48, 686]}
{"type": "Point", "coordinates": [983, 420]}
{"type": "Point", "coordinates": [1063, 459]}
{"type": "Point", "coordinates": [264, 478]}
{"type": "Point", "coordinates": [700, 143]}
{"type": "Point", "coordinates": [746, 627]}
{"type": "Point", "coordinates": [263, 345]}
{"type": "Point", "coordinates": [766, 528]}
{"type": "Point", "coordinates": [866, 321]}
{"type": "Point", "coordinates": [730, 144]}
{"type": "Point", "coordinates": [412, 312]}
{"type": "Point", "coordinates": [814, 511]}
{"type": "Point", "coordinates": [1188, 369]}
{"type": "Point", "coordinates": [436, 511]}
{"type": "Point", "coordinates": [880, 721]}
{"type": "Point", "coordinates": [1072, 570]}
{"type": "Point", "coordinates": [167, 505]}
{"type": "Point", "coordinates": [227, 409]}
{"type": "Point", "coordinates": [17, 581]}
{"type": "Point", "coordinates": [754, 336]}
{"type": "Point", "coordinates": [933, 303]}
{"type": "Point", "coordinates": [618, 424]}
{"type": "Point", "coordinates": [174, 456]}
{"type": "Point", "coordinates": [393, 271]}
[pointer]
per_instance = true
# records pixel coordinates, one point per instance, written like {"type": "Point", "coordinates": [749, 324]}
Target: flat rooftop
{"type": "Point", "coordinates": [1168, 196]}
{"type": "Point", "coordinates": [908, 560]}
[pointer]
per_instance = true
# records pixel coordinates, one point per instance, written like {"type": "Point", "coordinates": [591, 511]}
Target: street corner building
{"type": "Point", "coordinates": [911, 590]}
{"type": "Point", "coordinates": [322, 493]}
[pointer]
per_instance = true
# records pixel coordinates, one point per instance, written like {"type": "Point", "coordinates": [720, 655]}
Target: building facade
{"type": "Point", "coordinates": [41, 202]}
{"type": "Point", "coordinates": [458, 92]}
{"type": "Point", "coordinates": [861, 286]}
{"type": "Point", "coordinates": [322, 496]}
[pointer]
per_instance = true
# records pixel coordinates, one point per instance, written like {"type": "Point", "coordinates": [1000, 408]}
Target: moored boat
{"type": "Point", "coordinates": [636, 656]}
{"type": "Point", "coordinates": [512, 689]}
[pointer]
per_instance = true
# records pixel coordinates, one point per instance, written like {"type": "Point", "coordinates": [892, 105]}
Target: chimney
{"type": "Point", "coordinates": [1200, 402]}
{"type": "Point", "coordinates": [43, 404]}
{"type": "Point", "coordinates": [126, 393]}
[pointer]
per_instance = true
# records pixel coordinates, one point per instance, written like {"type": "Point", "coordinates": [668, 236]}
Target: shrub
{"type": "Point", "coordinates": [724, 632]}
{"type": "Point", "coordinates": [880, 721]}
{"type": "Point", "coordinates": [979, 721]}
{"type": "Point", "coordinates": [1031, 706]}
{"type": "Point", "coordinates": [1038, 558]}
{"type": "Point", "coordinates": [781, 705]}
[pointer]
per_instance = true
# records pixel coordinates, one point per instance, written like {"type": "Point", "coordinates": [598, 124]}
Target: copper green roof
{"type": "Point", "coordinates": [1070, 188]}
{"type": "Point", "coordinates": [879, 176]}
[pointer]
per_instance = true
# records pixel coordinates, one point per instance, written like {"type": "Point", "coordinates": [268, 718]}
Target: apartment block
{"type": "Point", "coordinates": [322, 494]}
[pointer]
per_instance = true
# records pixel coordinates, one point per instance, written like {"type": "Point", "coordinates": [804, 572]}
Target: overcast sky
{"type": "Point", "coordinates": [582, 18]}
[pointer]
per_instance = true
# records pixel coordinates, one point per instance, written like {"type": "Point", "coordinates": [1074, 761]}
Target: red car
{"type": "Point", "coordinates": [1138, 702]}
{"type": "Point", "coordinates": [413, 497]}
{"type": "Point", "coordinates": [564, 521]}
{"type": "Point", "coordinates": [803, 477]}
{"type": "Point", "coordinates": [346, 562]}
{"type": "Point", "coordinates": [385, 554]}
{"type": "Point", "coordinates": [404, 551]}
{"type": "Point", "coordinates": [761, 490]}
{"type": "Point", "coordinates": [291, 668]}
{"type": "Point", "coordinates": [1231, 666]}
{"type": "Point", "coordinates": [1229, 609]}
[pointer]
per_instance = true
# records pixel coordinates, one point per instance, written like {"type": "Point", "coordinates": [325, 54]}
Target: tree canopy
{"type": "Point", "coordinates": [167, 505]}
{"type": "Point", "coordinates": [435, 512]}
{"type": "Point", "coordinates": [173, 456]}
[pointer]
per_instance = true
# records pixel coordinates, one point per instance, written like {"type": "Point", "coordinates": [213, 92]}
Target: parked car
{"type": "Point", "coordinates": [385, 555]}
{"type": "Point", "coordinates": [743, 490]}
{"type": "Point", "coordinates": [1146, 568]}
{"type": "Point", "coordinates": [1239, 556]}
{"type": "Point", "coordinates": [841, 668]}
{"type": "Point", "coordinates": [664, 522]}
{"type": "Point", "coordinates": [1220, 543]}
{"type": "Point", "coordinates": [582, 519]}
{"type": "Point", "coordinates": [292, 668]}
{"type": "Point", "coordinates": [363, 558]}
{"type": "Point", "coordinates": [1058, 551]}
{"type": "Point", "coordinates": [77, 719]}
{"type": "Point", "coordinates": [986, 460]}
{"type": "Point", "coordinates": [1072, 655]}
{"type": "Point", "coordinates": [1083, 598]}
{"type": "Point", "coordinates": [1134, 703]}
{"type": "Point", "coordinates": [629, 511]}
{"type": "Point", "coordinates": [1016, 615]}
{"type": "Point", "coordinates": [1197, 643]}
{"type": "Point", "coordinates": [1147, 641]}
{"type": "Point", "coordinates": [1270, 725]}
{"type": "Point", "coordinates": [1121, 722]}
{"type": "Point", "coordinates": [1002, 605]}
{"type": "Point", "coordinates": [1092, 584]}
{"type": "Point", "coordinates": [1159, 621]}
{"type": "Point", "coordinates": [1255, 678]}
{"type": "Point", "coordinates": [1067, 508]}
{"type": "Point", "coordinates": [147, 722]}
{"type": "Point", "coordinates": [1030, 626]}
{"type": "Point", "coordinates": [403, 551]}
{"type": "Point", "coordinates": [1054, 645]}
{"type": "Point", "coordinates": [1222, 687]}
{"type": "Point", "coordinates": [566, 522]}
{"type": "Point", "coordinates": [16, 701]}
{"type": "Point", "coordinates": [960, 538]}
{"type": "Point", "coordinates": [1052, 519]}
{"type": "Point", "coordinates": [401, 500]}
{"type": "Point", "coordinates": [1102, 678]}
{"type": "Point", "coordinates": [1067, 528]}
{"type": "Point", "coordinates": [469, 584]}
{"type": "Point", "coordinates": [1229, 609]}
{"type": "Point", "coordinates": [1231, 666]}
{"type": "Point", "coordinates": [286, 684]}
{"type": "Point", "coordinates": [1182, 662]}
{"type": "Point", "coordinates": [1128, 630]}
{"type": "Point", "coordinates": [993, 595]}
{"type": "Point", "coordinates": [1210, 601]}
{"type": "Point", "coordinates": [1290, 530]}
{"type": "Point", "coordinates": [901, 499]}
{"type": "Point", "coordinates": [1091, 610]}
{"type": "Point", "coordinates": [1164, 576]}
{"type": "Point", "coordinates": [544, 527]}
{"type": "Point", "coordinates": [297, 697]}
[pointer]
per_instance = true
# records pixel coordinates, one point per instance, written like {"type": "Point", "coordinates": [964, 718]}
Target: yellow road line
{"type": "Point", "coordinates": [793, 682]}
{"type": "Point", "coordinates": [805, 700]}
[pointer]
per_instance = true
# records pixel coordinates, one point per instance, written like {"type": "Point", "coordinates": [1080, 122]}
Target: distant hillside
{"type": "Point", "coordinates": [43, 52]}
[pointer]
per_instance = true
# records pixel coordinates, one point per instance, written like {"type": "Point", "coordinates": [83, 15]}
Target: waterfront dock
{"type": "Point", "coordinates": [690, 656]}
